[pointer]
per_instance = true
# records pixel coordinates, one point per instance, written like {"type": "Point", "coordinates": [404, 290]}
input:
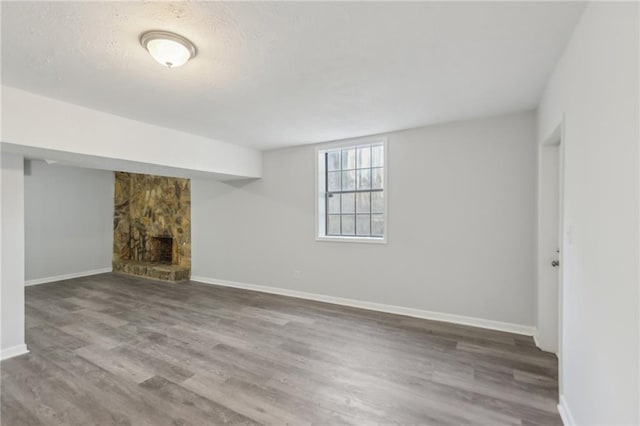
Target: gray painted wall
{"type": "Point", "coordinates": [68, 219]}
{"type": "Point", "coordinates": [460, 233]}
{"type": "Point", "coordinates": [594, 92]}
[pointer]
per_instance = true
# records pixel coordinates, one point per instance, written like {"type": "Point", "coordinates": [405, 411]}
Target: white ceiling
{"type": "Point", "coordinates": [276, 74]}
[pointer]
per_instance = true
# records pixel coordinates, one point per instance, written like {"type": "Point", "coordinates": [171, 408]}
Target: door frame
{"type": "Point", "coordinates": [555, 140]}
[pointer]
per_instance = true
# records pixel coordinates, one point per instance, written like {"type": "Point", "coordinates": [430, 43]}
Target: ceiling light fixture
{"type": "Point", "coordinates": [169, 49]}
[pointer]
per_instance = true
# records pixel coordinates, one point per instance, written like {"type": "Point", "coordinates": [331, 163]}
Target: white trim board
{"type": "Point", "coordinates": [68, 276]}
{"type": "Point", "coordinates": [380, 307]}
{"type": "Point", "coordinates": [565, 413]}
{"type": "Point", "coordinates": [13, 351]}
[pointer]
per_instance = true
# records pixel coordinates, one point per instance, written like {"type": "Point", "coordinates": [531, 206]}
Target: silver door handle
{"type": "Point", "coordinates": [555, 263]}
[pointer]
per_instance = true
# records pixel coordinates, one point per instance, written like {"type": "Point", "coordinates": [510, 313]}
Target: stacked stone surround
{"type": "Point", "coordinates": [151, 206]}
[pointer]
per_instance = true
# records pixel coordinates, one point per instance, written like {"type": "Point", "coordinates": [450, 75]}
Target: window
{"type": "Point", "coordinates": [351, 192]}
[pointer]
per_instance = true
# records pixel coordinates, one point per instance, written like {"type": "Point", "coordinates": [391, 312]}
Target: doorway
{"type": "Point", "coordinates": [549, 266]}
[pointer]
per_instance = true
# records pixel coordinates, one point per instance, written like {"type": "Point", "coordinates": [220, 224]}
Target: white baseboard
{"type": "Point", "coordinates": [535, 338]}
{"type": "Point", "coordinates": [68, 276]}
{"type": "Point", "coordinates": [565, 413]}
{"type": "Point", "coordinates": [13, 351]}
{"type": "Point", "coordinates": [373, 306]}
{"type": "Point", "coordinates": [542, 346]}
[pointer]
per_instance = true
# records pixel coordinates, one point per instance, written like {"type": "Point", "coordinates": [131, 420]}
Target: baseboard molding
{"type": "Point", "coordinates": [535, 338]}
{"type": "Point", "coordinates": [373, 306]}
{"type": "Point", "coordinates": [541, 346]}
{"type": "Point", "coordinates": [13, 351]}
{"type": "Point", "coordinates": [565, 413]}
{"type": "Point", "coordinates": [68, 276]}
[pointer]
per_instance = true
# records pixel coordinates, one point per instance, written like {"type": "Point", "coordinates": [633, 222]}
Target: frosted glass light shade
{"type": "Point", "coordinates": [169, 49]}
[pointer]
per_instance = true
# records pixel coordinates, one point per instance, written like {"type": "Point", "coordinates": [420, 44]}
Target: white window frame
{"type": "Point", "coordinates": [320, 195]}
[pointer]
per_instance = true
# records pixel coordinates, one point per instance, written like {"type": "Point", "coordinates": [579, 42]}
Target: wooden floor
{"type": "Point", "coordinates": [111, 349]}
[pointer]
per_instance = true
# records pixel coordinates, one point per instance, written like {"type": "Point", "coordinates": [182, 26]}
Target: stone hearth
{"type": "Point", "coordinates": [152, 226]}
{"type": "Point", "coordinates": [158, 271]}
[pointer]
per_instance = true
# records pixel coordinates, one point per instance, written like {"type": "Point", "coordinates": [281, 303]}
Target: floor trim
{"type": "Point", "coordinates": [13, 351]}
{"type": "Point", "coordinates": [565, 413]}
{"type": "Point", "coordinates": [381, 307]}
{"type": "Point", "coordinates": [535, 338]}
{"type": "Point", "coordinates": [67, 276]}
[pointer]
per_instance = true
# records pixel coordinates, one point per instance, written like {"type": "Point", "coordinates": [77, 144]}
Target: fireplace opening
{"type": "Point", "coordinates": [161, 250]}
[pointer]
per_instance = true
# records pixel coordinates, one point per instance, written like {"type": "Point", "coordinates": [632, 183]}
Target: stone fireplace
{"type": "Point", "coordinates": [152, 226]}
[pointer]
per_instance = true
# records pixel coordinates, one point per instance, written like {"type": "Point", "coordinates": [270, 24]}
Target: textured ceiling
{"type": "Point", "coordinates": [275, 74]}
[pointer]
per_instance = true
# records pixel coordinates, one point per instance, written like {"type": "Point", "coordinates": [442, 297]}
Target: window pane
{"type": "Point", "coordinates": [363, 202]}
{"type": "Point", "coordinates": [349, 180]}
{"type": "Point", "coordinates": [377, 225]}
{"type": "Point", "coordinates": [377, 202]}
{"type": "Point", "coordinates": [355, 202]}
{"type": "Point", "coordinates": [364, 157]}
{"type": "Point", "coordinates": [348, 203]}
{"type": "Point", "coordinates": [333, 202]}
{"type": "Point", "coordinates": [348, 224]}
{"type": "Point", "coordinates": [348, 159]}
{"type": "Point", "coordinates": [364, 179]}
{"type": "Point", "coordinates": [333, 224]}
{"type": "Point", "coordinates": [377, 156]}
{"type": "Point", "coordinates": [363, 224]}
{"type": "Point", "coordinates": [333, 162]}
{"type": "Point", "coordinates": [377, 178]}
{"type": "Point", "coordinates": [334, 181]}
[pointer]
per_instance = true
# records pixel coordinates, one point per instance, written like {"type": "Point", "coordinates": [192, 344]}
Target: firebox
{"type": "Point", "coordinates": [161, 250]}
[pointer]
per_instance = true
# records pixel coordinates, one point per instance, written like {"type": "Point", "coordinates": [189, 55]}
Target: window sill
{"type": "Point", "coordinates": [352, 240]}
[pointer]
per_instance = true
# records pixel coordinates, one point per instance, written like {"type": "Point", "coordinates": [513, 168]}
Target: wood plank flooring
{"type": "Point", "coordinates": [113, 349]}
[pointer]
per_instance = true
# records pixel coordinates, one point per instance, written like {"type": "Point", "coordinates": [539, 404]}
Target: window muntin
{"type": "Point", "coordinates": [352, 190]}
